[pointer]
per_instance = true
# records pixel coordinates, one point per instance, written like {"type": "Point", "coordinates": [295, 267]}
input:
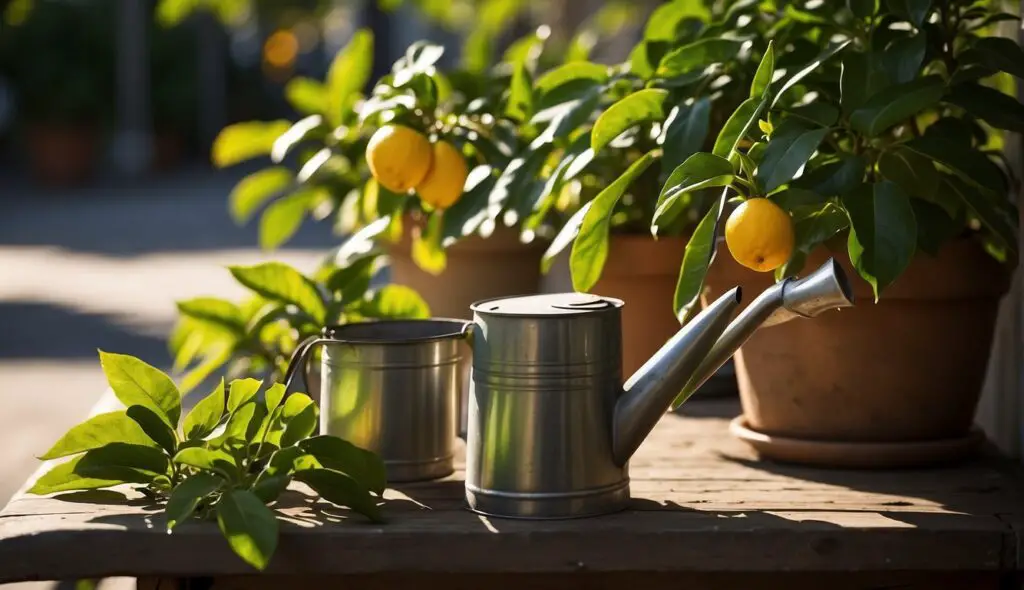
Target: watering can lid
{"type": "Point", "coordinates": [550, 304]}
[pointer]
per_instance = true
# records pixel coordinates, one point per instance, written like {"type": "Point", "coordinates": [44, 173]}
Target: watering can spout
{"type": "Point", "coordinates": [649, 391]}
{"type": "Point", "coordinates": [704, 344]}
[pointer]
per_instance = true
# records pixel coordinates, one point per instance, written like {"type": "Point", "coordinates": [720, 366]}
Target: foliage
{"type": "Point", "coordinates": [889, 141]}
{"type": "Point", "coordinates": [59, 57]}
{"type": "Point", "coordinates": [233, 454]}
{"type": "Point", "coordinates": [258, 335]}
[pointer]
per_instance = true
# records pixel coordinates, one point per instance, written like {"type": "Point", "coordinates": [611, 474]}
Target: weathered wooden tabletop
{"type": "Point", "coordinates": [702, 506]}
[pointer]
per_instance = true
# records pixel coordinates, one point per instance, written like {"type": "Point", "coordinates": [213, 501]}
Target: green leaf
{"type": "Point", "coordinates": [862, 77]}
{"type": "Point", "coordinates": [520, 98]}
{"type": "Point", "coordinates": [883, 236]}
{"type": "Point", "coordinates": [256, 189]}
{"type": "Point", "coordinates": [187, 495]}
{"type": "Point", "coordinates": [465, 216]}
{"type": "Point", "coordinates": [862, 8]}
{"type": "Point", "coordinates": [990, 105]}
{"type": "Point", "coordinates": [338, 488]}
{"type": "Point", "coordinates": [902, 58]}
{"type": "Point", "coordinates": [795, 79]}
{"type": "Point", "coordinates": [640, 107]}
{"type": "Point", "coordinates": [362, 465]}
{"type": "Point", "coordinates": [427, 252]}
{"type": "Point", "coordinates": [913, 10]}
{"type": "Point", "coordinates": [818, 226]}
{"type": "Point", "coordinates": [97, 431]}
{"type": "Point", "coordinates": [699, 171]}
{"type": "Point", "coordinates": [897, 103]}
{"type": "Point", "coordinates": [765, 70]}
{"type": "Point", "coordinates": [914, 173]}
{"type": "Point", "coordinates": [970, 165]}
{"type": "Point", "coordinates": [793, 199]}
{"type": "Point", "coordinates": [273, 396]}
{"type": "Point", "coordinates": [835, 178]}
{"type": "Point", "coordinates": [212, 310]}
{"type": "Point", "coordinates": [136, 382]}
{"type": "Point", "coordinates": [983, 207]}
{"type": "Point", "coordinates": [154, 427]}
{"type": "Point", "coordinates": [686, 129]}
{"type": "Point", "coordinates": [998, 53]}
{"type": "Point", "coordinates": [579, 70]}
{"type": "Point", "coordinates": [279, 282]}
{"type": "Point", "coordinates": [214, 460]}
{"type": "Point", "coordinates": [790, 147]}
{"type": "Point", "coordinates": [299, 416]}
{"type": "Point", "coordinates": [590, 249]}
{"type": "Point", "coordinates": [249, 526]}
{"type": "Point", "coordinates": [243, 141]}
{"type": "Point", "coordinates": [353, 279]}
{"type": "Point", "coordinates": [348, 73]}
{"type": "Point", "coordinates": [123, 461]}
{"type": "Point", "coordinates": [819, 114]}
{"type": "Point", "coordinates": [62, 478]}
{"type": "Point", "coordinates": [565, 236]}
{"type": "Point", "coordinates": [242, 391]}
{"type": "Point", "coordinates": [268, 489]}
{"type": "Point", "coordinates": [237, 427]}
{"type": "Point", "coordinates": [935, 227]}
{"type": "Point", "coordinates": [737, 126]}
{"type": "Point", "coordinates": [697, 56]}
{"type": "Point", "coordinates": [306, 95]}
{"type": "Point", "coordinates": [284, 217]}
{"type": "Point", "coordinates": [664, 20]}
{"type": "Point", "coordinates": [700, 251]}
{"type": "Point", "coordinates": [395, 301]}
{"type": "Point", "coordinates": [308, 128]}
{"type": "Point", "coordinates": [206, 414]}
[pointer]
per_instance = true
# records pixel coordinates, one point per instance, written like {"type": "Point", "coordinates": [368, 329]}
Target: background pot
{"type": "Point", "coordinates": [908, 368]}
{"type": "Point", "coordinates": [62, 155]}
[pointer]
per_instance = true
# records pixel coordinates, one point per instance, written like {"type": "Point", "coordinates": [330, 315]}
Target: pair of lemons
{"type": "Point", "coordinates": [401, 159]}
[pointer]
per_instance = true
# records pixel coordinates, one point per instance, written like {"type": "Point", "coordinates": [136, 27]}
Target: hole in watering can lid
{"type": "Point", "coordinates": [547, 304]}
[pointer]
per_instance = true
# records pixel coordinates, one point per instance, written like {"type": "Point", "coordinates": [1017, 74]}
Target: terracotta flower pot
{"type": "Point", "coordinates": [62, 155]}
{"type": "Point", "coordinates": [908, 369]}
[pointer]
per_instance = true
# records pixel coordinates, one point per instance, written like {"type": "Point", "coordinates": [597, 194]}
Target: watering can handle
{"type": "Point", "coordinates": [300, 358]}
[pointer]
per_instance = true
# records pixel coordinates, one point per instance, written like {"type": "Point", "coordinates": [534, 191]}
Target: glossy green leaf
{"type": "Point", "coordinates": [913, 10]}
{"type": "Point", "coordinates": [279, 282]}
{"type": "Point", "coordinates": [686, 130]}
{"type": "Point", "coordinates": [215, 460]}
{"type": "Point", "coordinates": [701, 170]}
{"type": "Point", "coordinates": [664, 19]}
{"type": "Point", "coordinates": [990, 105]}
{"type": "Point", "coordinates": [520, 98]}
{"type": "Point", "coordinates": [125, 461]}
{"type": "Point", "coordinates": [896, 104]}
{"type": "Point", "coordinates": [136, 382]}
{"type": "Point", "coordinates": [998, 53]}
{"type": "Point", "coordinates": [250, 527]}
{"type": "Point", "coordinates": [790, 147]}
{"type": "Point", "coordinates": [579, 70]}
{"type": "Point", "coordinates": [983, 207]}
{"type": "Point", "coordinates": [187, 495]}
{"type": "Point", "coordinates": [338, 488]}
{"type": "Point", "coordinates": [284, 217]}
{"type": "Point", "coordinates": [883, 236]}
{"type": "Point", "coordinates": [273, 396]}
{"type": "Point", "coordinates": [737, 126]}
{"type": "Point", "coordinates": [62, 478]}
{"type": "Point", "coordinates": [308, 128]}
{"type": "Point", "coordinates": [765, 71]}
{"type": "Point", "coordinates": [348, 73]}
{"type": "Point", "coordinates": [640, 107]}
{"type": "Point", "coordinates": [970, 165]}
{"type": "Point", "coordinates": [239, 142]}
{"type": "Point", "coordinates": [353, 279]}
{"type": "Point", "coordinates": [237, 427]}
{"type": "Point", "coordinates": [902, 59]}
{"type": "Point", "coordinates": [590, 248]}
{"type": "Point", "coordinates": [697, 56]}
{"type": "Point", "coordinates": [256, 189]}
{"type": "Point", "coordinates": [396, 301]}
{"type": "Point", "coordinates": [700, 251]}
{"type": "Point", "coordinates": [154, 427]}
{"type": "Point", "coordinates": [306, 95]}
{"type": "Point", "coordinates": [241, 391]}
{"type": "Point", "coordinates": [206, 414]}
{"type": "Point", "coordinates": [564, 237]}
{"type": "Point", "coordinates": [818, 226]}
{"type": "Point", "coordinates": [786, 84]}
{"type": "Point", "coordinates": [793, 199]}
{"type": "Point", "coordinates": [427, 252]}
{"type": "Point", "coordinates": [96, 432]}
{"type": "Point", "coordinates": [935, 227]}
{"type": "Point", "coordinates": [465, 216]}
{"type": "Point", "coordinates": [862, 77]}
{"type": "Point", "coordinates": [834, 178]}
{"type": "Point", "coordinates": [340, 455]}
{"type": "Point", "coordinates": [914, 173]}
{"type": "Point", "coordinates": [220, 312]}
{"type": "Point", "coordinates": [862, 8]}
{"type": "Point", "coordinates": [299, 416]}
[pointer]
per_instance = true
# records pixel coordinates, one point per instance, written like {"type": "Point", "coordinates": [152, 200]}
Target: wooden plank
{"type": "Point", "coordinates": [701, 505]}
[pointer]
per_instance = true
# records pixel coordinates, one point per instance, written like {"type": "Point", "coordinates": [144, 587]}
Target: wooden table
{"type": "Point", "coordinates": [705, 515]}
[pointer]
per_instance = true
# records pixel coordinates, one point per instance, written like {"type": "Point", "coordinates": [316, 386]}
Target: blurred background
{"type": "Point", "coordinates": [110, 210]}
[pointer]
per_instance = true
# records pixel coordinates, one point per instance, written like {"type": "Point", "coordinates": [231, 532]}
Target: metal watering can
{"type": "Point", "coordinates": [551, 426]}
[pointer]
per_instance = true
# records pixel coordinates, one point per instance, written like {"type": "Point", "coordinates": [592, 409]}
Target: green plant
{"type": "Point", "coordinates": [233, 454]}
{"type": "Point", "coordinates": [892, 146]}
{"type": "Point", "coordinates": [258, 335]}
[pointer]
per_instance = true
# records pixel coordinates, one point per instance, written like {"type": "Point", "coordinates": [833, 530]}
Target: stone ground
{"type": "Point", "coordinates": [100, 268]}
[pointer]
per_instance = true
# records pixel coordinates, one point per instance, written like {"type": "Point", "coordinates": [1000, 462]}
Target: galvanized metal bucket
{"type": "Point", "coordinates": [392, 387]}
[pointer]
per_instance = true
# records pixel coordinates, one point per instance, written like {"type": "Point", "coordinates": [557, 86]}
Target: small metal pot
{"type": "Point", "coordinates": [392, 387]}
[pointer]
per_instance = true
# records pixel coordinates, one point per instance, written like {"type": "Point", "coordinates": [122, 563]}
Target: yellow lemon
{"type": "Point", "coordinates": [760, 235]}
{"type": "Point", "coordinates": [399, 157]}
{"type": "Point", "coordinates": [442, 186]}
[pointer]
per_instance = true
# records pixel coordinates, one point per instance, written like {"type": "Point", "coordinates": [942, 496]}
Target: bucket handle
{"type": "Point", "coordinates": [300, 358]}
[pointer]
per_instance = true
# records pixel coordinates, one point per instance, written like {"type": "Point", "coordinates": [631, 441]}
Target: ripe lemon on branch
{"type": "Point", "coordinates": [760, 235]}
{"type": "Point", "coordinates": [443, 184]}
{"type": "Point", "coordinates": [399, 157]}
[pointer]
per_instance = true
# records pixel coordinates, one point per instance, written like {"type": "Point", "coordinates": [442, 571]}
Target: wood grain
{"type": "Point", "coordinates": [702, 504]}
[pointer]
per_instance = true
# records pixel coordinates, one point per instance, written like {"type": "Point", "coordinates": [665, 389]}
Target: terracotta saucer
{"type": "Point", "coordinates": [864, 455]}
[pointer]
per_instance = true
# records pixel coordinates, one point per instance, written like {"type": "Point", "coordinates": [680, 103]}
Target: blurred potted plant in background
{"type": "Point", "coordinates": [60, 61]}
{"type": "Point", "coordinates": [888, 157]}
{"type": "Point", "coordinates": [256, 336]}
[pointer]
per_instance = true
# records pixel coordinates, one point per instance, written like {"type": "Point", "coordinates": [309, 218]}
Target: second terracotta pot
{"type": "Point", "coordinates": [908, 368]}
